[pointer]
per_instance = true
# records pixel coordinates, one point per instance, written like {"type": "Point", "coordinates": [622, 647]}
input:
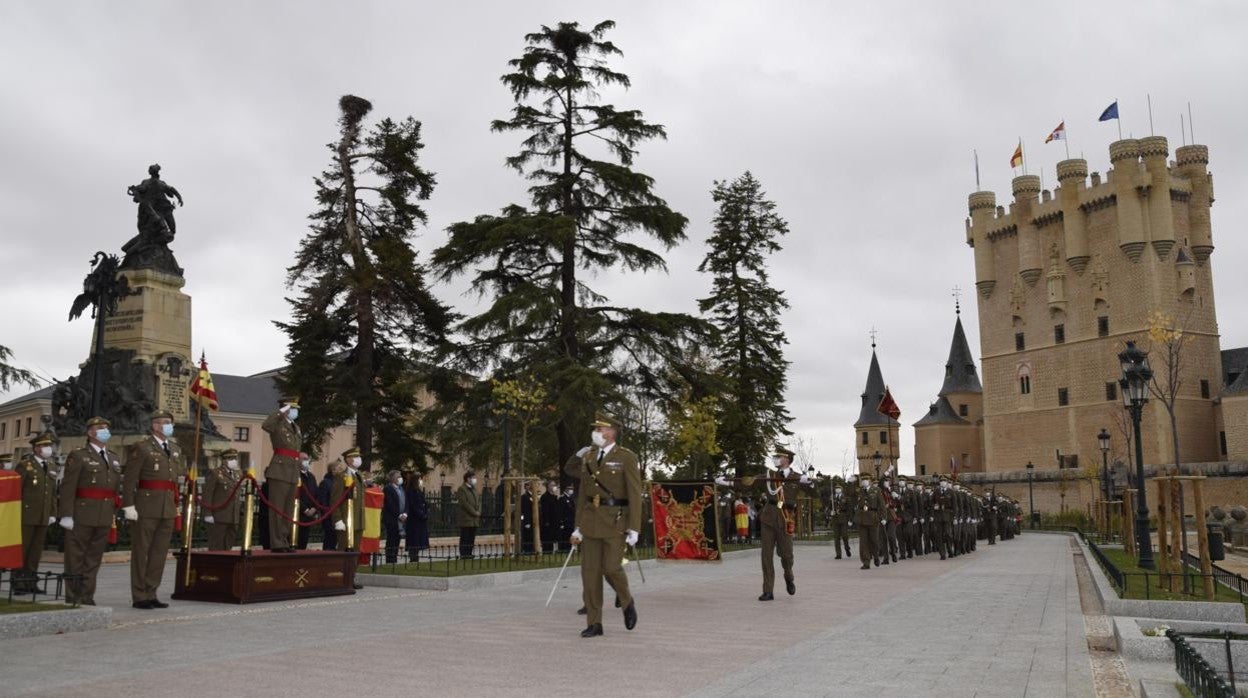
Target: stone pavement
{"type": "Point", "coordinates": [1004, 621]}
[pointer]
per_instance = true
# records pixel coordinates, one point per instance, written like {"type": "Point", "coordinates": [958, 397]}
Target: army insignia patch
{"type": "Point", "coordinates": [613, 465]}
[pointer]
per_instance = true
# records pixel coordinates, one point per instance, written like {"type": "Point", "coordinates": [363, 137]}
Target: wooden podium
{"type": "Point", "coordinates": [231, 577]}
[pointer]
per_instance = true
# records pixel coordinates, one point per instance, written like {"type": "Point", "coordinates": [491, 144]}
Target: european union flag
{"type": "Point", "coordinates": [1111, 112]}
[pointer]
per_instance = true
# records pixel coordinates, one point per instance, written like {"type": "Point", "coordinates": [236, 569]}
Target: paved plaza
{"type": "Point", "coordinates": [1003, 621]}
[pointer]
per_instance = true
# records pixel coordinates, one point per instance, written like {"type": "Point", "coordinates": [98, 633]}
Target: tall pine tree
{"type": "Point", "coordinates": [745, 310]}
{"type": "Point", "coordinates": [588, 205]}
{"type": "Point", "coordinates": [364, 317]}
{"type": "Point", "coordinates": [12, 375]}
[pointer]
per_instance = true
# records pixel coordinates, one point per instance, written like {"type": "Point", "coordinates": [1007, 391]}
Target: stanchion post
{"type": "Point", "coordinates": [248, 506]}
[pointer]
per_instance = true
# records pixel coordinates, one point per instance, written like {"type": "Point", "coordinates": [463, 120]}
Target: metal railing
{"type": "Point", "coordinates": [15, 585]}
{"type": "Point", "coordinates": [1221, 575]}
{"type": "Point", "coordinates": [1197, 673]}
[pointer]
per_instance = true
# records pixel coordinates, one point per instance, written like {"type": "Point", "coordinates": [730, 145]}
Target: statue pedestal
{"type": "Point", "coordinates": [155, 324]}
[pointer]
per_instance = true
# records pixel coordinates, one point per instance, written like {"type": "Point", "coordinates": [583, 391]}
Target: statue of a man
{"type": "Point", "coordinates": [155, 208]}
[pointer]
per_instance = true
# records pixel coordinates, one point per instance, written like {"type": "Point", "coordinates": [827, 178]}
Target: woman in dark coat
{"type": "Point", "coordinates": [417, 525]}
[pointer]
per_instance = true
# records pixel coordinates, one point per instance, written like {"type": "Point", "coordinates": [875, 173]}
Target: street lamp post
{"type": "Point", "coordinates": [1031, 497]}
{"type": "Point", "coordinates": [1134, 387]}
{"type": "Point", "coordinates": [878, 460]}
{"type": "Point", "coordinates": [1103, 440]}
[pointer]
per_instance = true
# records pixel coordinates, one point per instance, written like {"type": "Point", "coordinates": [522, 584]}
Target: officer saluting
{"type": "Point", "coordinates": [88, 504]}
{"type": "Point", "coordinates": [608, 516]}
{"type": "Point", "coordinates": [149, 491]}
{"type": "Point", "coordinates": [282, 475]}
{"type": "Point", "coordinates": [38, 472]}
{"type": "Point", "coordinates": [777, 519]}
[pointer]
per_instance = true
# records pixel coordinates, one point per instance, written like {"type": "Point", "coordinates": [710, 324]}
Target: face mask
{"type": "Point", "coordinates": [45, 451]}
{"type": "Point", "coordinates": [472, 482]}
{"type": "Point", "coordinates": [292, 414]}
{"type": "Point", "coordinates": [103, 435]}
{"type": "Point", "coordinates": [231, 464]}
{"type": "Point", "coordinates": [598, 439]}
{"type": "Point", "coordinates": [399, 481]}
{"type": "Point", "coordinates": [420, 484]}
{"type": "Point", "coordinates": [307, 464]}
{"type": "Point", "coordinates": [355, 462]}
{"type": "Point", "coordinates": [7, 465]}
{"type": "Point", "coordinates": [775, 462]}
{"type": "Point", "coordinates": [167, 430]}
{"type": "Point", "coordinates": [568, 493]}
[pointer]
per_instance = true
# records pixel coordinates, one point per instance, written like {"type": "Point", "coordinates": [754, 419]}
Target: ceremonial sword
{"type": "Point", "coordinates": [561, 570]}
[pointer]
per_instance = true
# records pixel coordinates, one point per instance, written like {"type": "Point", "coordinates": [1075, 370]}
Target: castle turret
{"type": "Point", "coordinates": [1125, 155]}
{"type": "Point", "coordinates": [950, 431]}
{"type": "Point", "coordinates": [1193, 162]}
{"type": "Point", "coordinates": [982, 205]}
{"type": "Point", "coordinates": [1072, 174]}
{"type": "Point", "coordinates": [1154, 151]}
{"type": "Point", "coordinates": [874, 432]}
{"type": "Point", "coordinates": [1030, 255]}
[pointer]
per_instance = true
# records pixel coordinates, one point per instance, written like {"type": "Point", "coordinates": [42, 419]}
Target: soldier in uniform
{"type": "Point", "coordinates": [942, 513]}
{"type": "Point", "coordinates": [88, 504]}
{"type": "Point", "coordinates": [38, 472]}
{"type": "Point", "coordinates": [991, 505]}
{"type": "Point", "coordinates": [468, 513]}
{"type": "Point", "coordinates": [779, 510]}
{"type": "Point", "coordinates": [608, 517]}
{"type": "Point", "coordinates": [354, 462]}
{"type": "Point", "coordinates": [149, 495]}
{"type": "Point", "coordinates": [892, 506]}
{"type": "Point", "coordinates": [220, 484]}
{"type": "Point", "coordinates": [842, 513]}
{"type": "Point", "coordinates": [869, 513]}
{"type": "Point", "coordinates": [282, 475]}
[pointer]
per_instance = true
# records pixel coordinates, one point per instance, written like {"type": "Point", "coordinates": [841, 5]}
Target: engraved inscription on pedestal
{"type": "Point", "coordinates": [172, 375]}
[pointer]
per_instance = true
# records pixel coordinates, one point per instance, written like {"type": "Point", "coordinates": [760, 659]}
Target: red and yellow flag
{"type": "Point", "coordinates": [888, 406]}
{"type": "Point", "coordinates": [1017, 158]}
{"type": "Point", "coordinates": [10, 520]}
{"type": "Point", "coordinates": [370, 539]}
{"type": "Point", "coordinates": [202, 389]}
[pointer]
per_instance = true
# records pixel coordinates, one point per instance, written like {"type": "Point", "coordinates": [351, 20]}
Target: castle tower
{"type": "Point", "coordinates": [1112, 254]}
{"type": "Point", "coordinates": [951, 431]}
{"type": "Point", "coordinates": [875, 432]}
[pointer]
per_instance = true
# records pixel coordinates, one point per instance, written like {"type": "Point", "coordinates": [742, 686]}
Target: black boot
{"type": "Point", "coordinates": [630, 615]}
{"type": "Point", "coordinates": [790, 586]}
{"type": "Point", "coordinates": [582, 611]}
{"type": "Point", "coordinates": [766, 596]}
{"type": "Point", "coordinates": [592, 631]}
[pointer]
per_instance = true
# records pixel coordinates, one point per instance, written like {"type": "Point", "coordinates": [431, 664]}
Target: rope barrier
{"type": "Point", "coordinates": [199, 501]}
{"type": "Point", "coordinates": [287, 518]}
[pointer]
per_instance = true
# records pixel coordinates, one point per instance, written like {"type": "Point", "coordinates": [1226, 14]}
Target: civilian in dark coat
{"type": "Point", "coordinates": [307, 500]}
{"type": "Point", "coordinates": [417, 517]}
{"type": "Point", "coordinates": [393, 513]}
{"type": "Point", "coordinates": [567, 519]}
{"type": "Point", "coordinates": [328, 535]}
{"type": "Point", "coordinates": [551, 513]}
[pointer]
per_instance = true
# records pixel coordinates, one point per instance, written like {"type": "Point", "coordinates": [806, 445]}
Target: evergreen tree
{"type": "Point", "coordinates": [745, 310]}
{"type": "Point", "coordinates": [587, 207]}
{"type": "Point", "coordinates": [12, 375]}
{"type": "Point", "coordinates": [364, 315]}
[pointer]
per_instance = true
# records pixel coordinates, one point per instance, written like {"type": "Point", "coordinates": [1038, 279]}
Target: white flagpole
{"type": "Point", "coordinates": [1150, 114]}
{"type": "Point", "coordinates": [1066, 137]}
{"type": "Point", "coordinates": [1191, 125]}
{"type": "Point", "coordinates": [976, 153]}
{"type": "Point", "coordinates": [1118, 108]}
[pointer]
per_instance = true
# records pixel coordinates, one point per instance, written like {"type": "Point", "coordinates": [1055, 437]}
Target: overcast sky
{"type": "Point", "coordinates": [858, 118]}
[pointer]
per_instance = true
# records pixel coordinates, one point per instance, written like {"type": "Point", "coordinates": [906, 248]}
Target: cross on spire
{"type": "Point", "coordinates": [957, 300]}
{"type": "Point", "coordinates": [873, 333]}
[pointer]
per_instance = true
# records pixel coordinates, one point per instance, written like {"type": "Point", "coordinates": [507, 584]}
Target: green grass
{"type": "Point", "coordinates": [1135, 582]}
{"type": "Point", "coordinates": [15, 606]}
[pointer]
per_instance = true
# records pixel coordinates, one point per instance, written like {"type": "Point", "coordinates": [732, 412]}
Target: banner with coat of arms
{"type": "Point", "coordinates": [686, 526]}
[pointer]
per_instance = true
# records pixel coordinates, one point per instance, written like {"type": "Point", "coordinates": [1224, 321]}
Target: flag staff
{"type": "Point", "coordinates": [1150, 115]}
{"type": "Point", "coordinates": [976, 154]}
{"type": "Point", "coordinates": [1191, 125]}
{"type": "Point", "coordinates": [1066, 138]}
{"type": "Point", "coordinates": [1182, 129]}
{"type": "Point", "coordinates": [1023, 153]}
{"type": "Point", "coordinates": [1119, 119]}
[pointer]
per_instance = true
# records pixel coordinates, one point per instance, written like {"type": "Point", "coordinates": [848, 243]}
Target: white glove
{"type": "Point", "coordinates": [722, 481]}
{"type": "Point", "coordinates": [67, 523]}
{"type": "Point", "coordinates": [577, 537]}
{"type": "Point", "coordinates": [804, 480]}
{"type": "Point", "coordinates": [881, 522]}
{"type": "Point", "coordinates": [630, 538]}
{"type": "Point", "coordinates": [929, 519]}
{"type": "Point", "coordinates": [581, 453]}
{"type": "Point", "coordinates": [51, 520]}
{"type": "Point", "coordinates": [208, 519]}
{"type": "Point", "coordinates": [402, 517]}
{"type": "Point", "coordinates": [340, 526]}
{"type": "Point", "coordinates": [131, 513]}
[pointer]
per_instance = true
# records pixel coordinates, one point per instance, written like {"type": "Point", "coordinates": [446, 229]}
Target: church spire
{"type": "Point", "coordinates": [960, 374]}
{"type": "Point", "coordinates": [872, 393]}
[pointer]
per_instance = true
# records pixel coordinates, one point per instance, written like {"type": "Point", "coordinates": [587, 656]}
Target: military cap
{"type": "Point", "coordinates": [291, 400]}
{"type": "Point", "coordinates": [97, 422]}
{"type": "Point", "coordinates": [602, 419]}
{"type": "Point", "coordinates": [865, 476]}
{"type": "Point", "coordinates": [782, 450]}
{"type": "Point", "coordinates": [6, 457]}
{"type": "Point", "coordinates": [44, 439]}
{"type": "Point", "coordinates": [351, 452]}
{"type": "Point", "coordinates": [229, 453]}
{"type": "Point", "coordinates": [162, 414]}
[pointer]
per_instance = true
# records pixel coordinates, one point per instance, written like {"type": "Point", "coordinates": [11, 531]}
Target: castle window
{"type": "Point", "coordinates": [1019, 343]}
{"type": "Point", "coordinates": [242, 433]}
{"type": "Point", "coordinates": [1102, 326]}
{"type": "Point", "coordinates": [1204, 388]}
{"type": "Point", "coordinates": [866, 438]}
{"type": "Point", "coordinates": [1222, 441]}
{"type": "Point", "coordinates": [963, 411]}
{"type": "Point", "coordinates": [922, 469]}
{"type": "Point", "coordinates": [4, 426]}
{"type": "Point", "coordinates": [883, 437]}
{"type": "Point", "coordinates": [28, 432]}
{"type": "Point", "coordinates": [1063, 397]}
{"type": "Point", "coordinates": [1024, 385]}
{"type": "Point", "coordinates": [1111, 392]}
{"type": "Point", "coordinates": [1059, 334]}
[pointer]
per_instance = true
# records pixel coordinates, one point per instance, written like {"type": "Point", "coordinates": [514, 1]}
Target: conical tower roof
{"type": "Point", "coordinates": [871, 396]}
{"type": "Point", "coordinates": [960, 374]}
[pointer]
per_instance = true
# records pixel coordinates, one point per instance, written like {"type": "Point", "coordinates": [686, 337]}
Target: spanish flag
{"type": "Point", "coordinates": [1017, 158]}
{"type": "Point", "coordinates": [202, 389]}
{"type": "Point", "coordinates": [10, 520]}
{"type": "Point", "coordinates": [370, 539]}
{"type": "Point", "coordinates": [1059, 133]}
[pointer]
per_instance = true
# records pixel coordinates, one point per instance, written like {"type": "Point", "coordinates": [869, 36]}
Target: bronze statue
{"type": "Point", "coordinates": [157, 227]}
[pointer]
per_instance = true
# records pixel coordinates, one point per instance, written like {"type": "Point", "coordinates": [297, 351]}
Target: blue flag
{"type": "Point", "coordinates": [1111, 112]}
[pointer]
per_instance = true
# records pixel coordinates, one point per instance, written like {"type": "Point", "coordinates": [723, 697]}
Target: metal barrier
{"type": "Point", "coordinates": [41, 581]}
{"type": "Point", "coordinates": [1198, 675]}
{"type": "Point", "coordinates": [1221, 575]}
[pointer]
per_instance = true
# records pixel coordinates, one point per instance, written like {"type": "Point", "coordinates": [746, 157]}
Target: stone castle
{"type": "Point", "coordinates": [1064, 279]}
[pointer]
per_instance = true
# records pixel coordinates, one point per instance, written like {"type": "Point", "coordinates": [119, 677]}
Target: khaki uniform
{"type": "Point", "coordinates": [468, 516]}
{"type": "Point", "coordinates": [218, 485]}
{"type": "Point", "coordinates": [775, 532]}
{"type": "Point", "coordinates": [149, 485]}
{"type": "Point", "coordinates": [942, 525]}
{"type": "Point", "coordinates": [89, 494]}
{"type": "Point", "coordinates": [868, 512]}
{"type": "Point", "coordinates": [340, 514]}
{"type": "Point", "coordinates": [608, 504]}
{"type": "Point", "coordinates": [38, 506]}
{"type": "Point", "coordinates": [842, 517]}
{"type": "Point", "coordinates": [282, 475]}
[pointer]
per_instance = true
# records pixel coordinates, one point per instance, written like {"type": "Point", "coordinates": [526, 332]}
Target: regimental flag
{"type": "Point", "coordinates": [1111, 112]}
{"type": "Point", "coordinates": [1016, 159]}
{"type": "Point", "coordinates": [953, 467]}
{"type": "Point", "coordinates": [685, 524]}
{"type": "Point", "coordinates": [370, 539]}
{"type": "Point", "coordinates": [1059, 133]}
{"type": "Point", "coordinates": [10, 520]}
{"type": "Point", "coordinates": [888, 406]}
{"type": "Point", "coordinates": [202, 389]}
